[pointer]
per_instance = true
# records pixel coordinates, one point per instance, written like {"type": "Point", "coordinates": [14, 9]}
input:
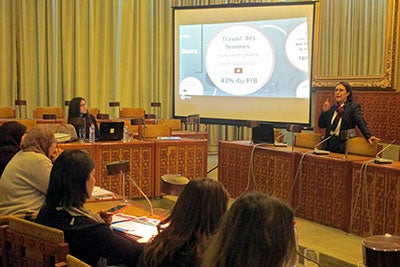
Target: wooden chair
{"type": "Point", "coordinates": [175, 124]}
{"type": "Point", "coordinates": [25, 243]}
{"type": "Point", "coordinates": [7, 112]}
{"type": "Point", "coordinates": [132, 113]}
{"type": "Point", "coordinates": [93, 111]}
{"type": "Point", "coordinates": [307, 139]}
{"type": "Point", "coordinates": [156, 130]}
{"type": "Point", "coordinates": [73, 262]}
{"type": "Point", "coordinates": [360, 146]}
{"type": "Point", "coordinates": [39, 111]}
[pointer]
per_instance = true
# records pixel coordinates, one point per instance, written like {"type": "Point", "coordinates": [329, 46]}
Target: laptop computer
{"type": "Point", "coordinates": [263, 133]}
{"type": "Point", "coordinates": [111, 131]}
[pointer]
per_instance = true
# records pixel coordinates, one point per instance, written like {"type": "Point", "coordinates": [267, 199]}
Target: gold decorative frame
{"type": "Point", "coordinates": [383, 80]}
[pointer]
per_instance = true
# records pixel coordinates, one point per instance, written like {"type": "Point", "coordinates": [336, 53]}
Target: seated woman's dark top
{"type": "Point", "coordinates": [90, 240]}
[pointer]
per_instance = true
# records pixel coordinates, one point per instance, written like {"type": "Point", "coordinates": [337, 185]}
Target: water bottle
{"type": "Point", "coordinates": [91, 133]}
{"type": "Point", "coordinates": [126, 134]}
{"type": "Point", "coordinates": [296, 236]}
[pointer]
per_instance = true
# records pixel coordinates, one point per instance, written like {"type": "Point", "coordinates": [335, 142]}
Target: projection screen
{"type": "Point", "coordinates": [244, 62]}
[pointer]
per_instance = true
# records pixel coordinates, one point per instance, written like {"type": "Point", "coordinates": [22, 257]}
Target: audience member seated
{"type": "Point", "coordinates": [89, 235]}
{"type": "Point", "coordinates": [77, 110]}
{"type": "Point", "coordinates": [257, 231]}
{"type": "Point", "coordinates": [183, 234]}
{"type": "Point", "coordinates": [25, 179]}
{"type": "Point", "coordinates": [11, 135]}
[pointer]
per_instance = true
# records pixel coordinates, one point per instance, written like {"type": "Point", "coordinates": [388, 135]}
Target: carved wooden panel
{"type": "Point", "coordinates": [273, 172]}
{"type": "Point", "coordinates": [376, 199]}
{"type": "Point", "coordinates": [185, 157]}
{"type": "Point", "coordinates": [141, 160]}
{"type": "Point", "coordinates": [323, 190]}
{"type": "Point", "coordinates": [272, 169]}
{"type": "Point", "coordinates": [233, 167]}
{"type": "Point", "coordinates": [381, 111]}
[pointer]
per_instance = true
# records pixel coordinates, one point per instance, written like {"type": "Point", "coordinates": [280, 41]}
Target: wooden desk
{"type": "Point", "coordinates": [135, 209]}
{"type": "Point", "coordinates": [376, 204]}
{"type": "Point", "coordinates": [326, 189]}
{"type": "Point", "coordinates": [149, 160]}
{"type": "Point", "coordinates": [323, 188]}
{"type": "Point", "coordinates": [273, 169]}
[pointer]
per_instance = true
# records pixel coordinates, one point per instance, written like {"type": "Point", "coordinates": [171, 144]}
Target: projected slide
{"type": "Point", "coordinates": [267, 58]}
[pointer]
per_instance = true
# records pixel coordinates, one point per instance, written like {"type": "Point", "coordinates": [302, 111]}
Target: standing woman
{"type": "Point", "coordinates": [185, 232]}
{"type": "Point", "coordinates": [89, 235]}
{"type": "Point", "coordinates": [11, 137]}
{"type": "Point", "coordinates": [343, 115]}
{"type": "Point", "coordinates": [78, 109]}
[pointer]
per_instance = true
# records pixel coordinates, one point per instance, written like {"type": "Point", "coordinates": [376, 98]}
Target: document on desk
{"type": "Point", "coordinates": [102, 194]}
{"type": "Point", "coordinates": [141, 227]}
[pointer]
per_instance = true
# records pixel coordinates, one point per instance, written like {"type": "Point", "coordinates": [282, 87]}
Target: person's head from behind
{"type": "Point", "coordinates": [12, 133]}
{"type": "Point", "coordinates": [193, 219]}
{"type": "Point", "coordinates": [256, 231]}
{"type": "Point", "coordinates": [72, 179]}
{"type": "Point", "coordinates": [41, 140]}
{"type": "Point", "coordinates": [200, 205]}
{"type": "Point", "coordinates": [77, 106]}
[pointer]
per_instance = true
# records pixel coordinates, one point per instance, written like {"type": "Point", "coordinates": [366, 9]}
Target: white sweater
{"type": "Point", "coordinates": [24, 183]}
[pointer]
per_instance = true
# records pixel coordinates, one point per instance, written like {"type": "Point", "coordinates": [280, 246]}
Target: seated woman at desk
{"type": "Point", "coordinates": [256, 231]}
{"type": "Point", "coordinates": [89, 235]}
{"type": "Point", "coordinates": [184, 233]}
{"type": "Point", "coordinates": [79, 117]}
{"type": "Point", "coordinates": [12, 134]}
{"type": "Point", "coordinates": [25, 179]}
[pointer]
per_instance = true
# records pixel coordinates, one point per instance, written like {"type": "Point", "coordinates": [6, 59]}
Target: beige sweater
{"type": "Point", "coordinates": [24, 183]}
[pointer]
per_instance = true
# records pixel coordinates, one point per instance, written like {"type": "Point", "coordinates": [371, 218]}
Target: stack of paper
{"type": "Point", "coordinates": [102, 194]}
{"type": "Point", "coordinates": [142, 228]}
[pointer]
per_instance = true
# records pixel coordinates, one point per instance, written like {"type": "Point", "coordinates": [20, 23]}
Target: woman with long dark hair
{"type": "Point", "coordinates": [256, 231]}
{"type": "Point", "coordinates": [184, 234]}
{"type": "Point", "coordinates": [89, 237]}
{"type": "Point", "coordinates": [79, 117]}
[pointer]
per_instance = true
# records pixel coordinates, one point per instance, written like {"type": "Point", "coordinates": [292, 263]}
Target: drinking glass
{"type": "Point", "coordinates": [82, 134]}
{"type": "Point", "coordinates": [311, 254]}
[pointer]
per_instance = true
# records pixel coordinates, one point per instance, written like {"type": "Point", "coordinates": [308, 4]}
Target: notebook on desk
{"type": "Point", "coordinates": [111, 131]}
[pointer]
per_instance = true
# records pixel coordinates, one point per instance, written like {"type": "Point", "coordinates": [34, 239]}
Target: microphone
{"type": "Point", "coordinates": [380, 160]}
{"type": "Point", "coordinates": [280, 144]}
{"type": "Point", "coordinates": [321, 151]}
{"type": "Point", "coordinates": [143, 194]}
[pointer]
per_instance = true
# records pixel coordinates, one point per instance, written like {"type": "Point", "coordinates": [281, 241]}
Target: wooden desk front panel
{"type": "Point", "coordinates": [274, 172]}
{"type": "Point", "coordinates": [187, 157]}
{"type": "Point", "coordinates": [141, 161]}
{"type": "Point", "coordinates": [273, 169]}
{"type": "Point", "coordinates": [323, 190]}
{"type": "Point", "coordinates": [376, 204]}
{"type": "Point", "coordinates": [233, 165]}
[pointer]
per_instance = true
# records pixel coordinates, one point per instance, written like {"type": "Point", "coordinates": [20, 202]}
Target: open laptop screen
{"type": "Point", "coordinates": [111, 131]}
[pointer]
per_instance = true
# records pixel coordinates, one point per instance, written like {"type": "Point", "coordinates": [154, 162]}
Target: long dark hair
{"type": "Point", "coordinates": [348, 88]}
{"type": "Point", "coordinates": [74, 108]}
{"type": "Point", "coordinates": [256, 231]}
{"type": "Point", "coordinates": [193, 219]}
{"type": "Point", "coordinates": [67, 186]}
